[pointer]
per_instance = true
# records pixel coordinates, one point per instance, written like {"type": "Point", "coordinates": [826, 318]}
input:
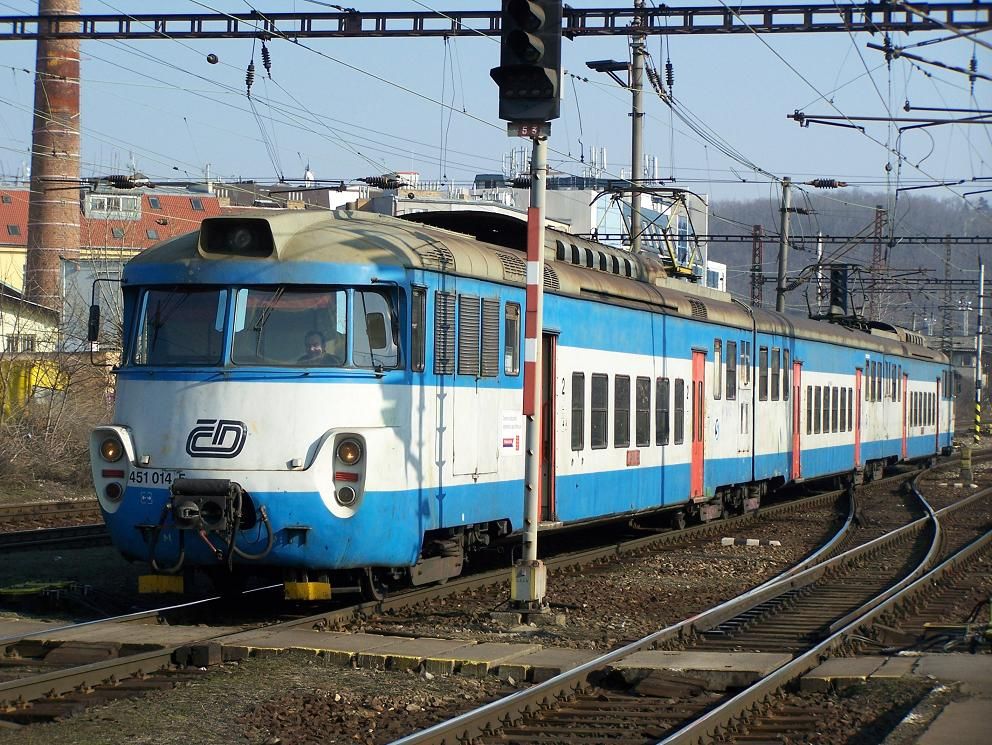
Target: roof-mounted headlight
{"type": "Point", "coordinates": [236, 237]}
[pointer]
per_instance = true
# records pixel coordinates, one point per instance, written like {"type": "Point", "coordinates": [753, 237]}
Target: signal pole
{"type": "Point", "coordinates": [978, 349]}
{"type": "Point", "coordinates": [529, 80]}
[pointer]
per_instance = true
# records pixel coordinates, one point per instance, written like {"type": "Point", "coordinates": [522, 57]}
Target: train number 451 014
{"type": "Point", "coordinates": [153, 478]}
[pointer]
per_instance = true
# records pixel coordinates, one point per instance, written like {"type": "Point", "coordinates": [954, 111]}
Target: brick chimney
{"type": "Point", "coordinates": [53, 211]}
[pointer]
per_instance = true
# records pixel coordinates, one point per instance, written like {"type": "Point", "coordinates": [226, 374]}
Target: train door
{"type": "Point", "coordinates": [905, 398]}
{"type": "Point", "coordinates": [857, 418]}
{"type": "Point", "coordinates": [698, 424]}
{"type": "Point", "coordinates": [936, 419]}
{"type": "Point", "coordinates": [550, 346]}
{"type": "Point", "coordinates": [797, 368]}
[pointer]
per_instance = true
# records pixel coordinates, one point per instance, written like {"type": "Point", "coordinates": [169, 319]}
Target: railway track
{"type": "Point", "coordinates": [144, 668]}
{"type": "Point", "coordinates": [50, 688]}
{"type": "Point", "coordinates": [808, 614]}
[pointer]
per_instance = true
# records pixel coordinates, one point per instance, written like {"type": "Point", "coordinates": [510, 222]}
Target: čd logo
{"type": "Point", "coordinates": [216, 438]}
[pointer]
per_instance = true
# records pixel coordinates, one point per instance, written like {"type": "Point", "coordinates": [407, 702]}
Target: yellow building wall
{"type": "Point", "coordinates": [12, 266]}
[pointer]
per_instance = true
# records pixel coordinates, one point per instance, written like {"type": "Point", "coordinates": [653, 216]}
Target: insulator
{"type": "Point", "coordinates": [827, 183]}
{"type": "Point", "coordinates": [669, 74]}
{"type": "Point", "coordinates": [266, 59]}
{"type": "Point", "coordinates": [522, 181]}
{"type": "Point", "coordinates": [250, 76]}
{"type": "Point", "coordinates": [382, 182]}
{"type": "Point", "coordinates": [213, 59]}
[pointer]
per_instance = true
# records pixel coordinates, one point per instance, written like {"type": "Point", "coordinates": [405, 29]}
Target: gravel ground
{"type": "Point", "coordinates": [296, 698]}
{"type": "Point", "coordinates": [610, 604]}
{"type": "Point", "coordinates": [285, 699]}
{"type": "Point", "coordinates": [860, 715]}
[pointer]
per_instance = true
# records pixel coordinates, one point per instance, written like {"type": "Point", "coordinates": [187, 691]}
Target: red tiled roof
{"type": "Point", "coordinates": [173, 216]}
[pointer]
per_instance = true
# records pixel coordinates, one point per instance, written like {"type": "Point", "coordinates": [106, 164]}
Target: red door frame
{"type": "Point", "coordinates": [797, 368]}
{"type": "Point", "coordinates": [548, 358]}
{"type": "Point", "coordinates": [698, 424]}
{"type": "Point", "coordinates": [936, 419]}
{"type": "Point", "coordinates": [905, 412]}
{"type": "Point", "coordinates": [857, 418]}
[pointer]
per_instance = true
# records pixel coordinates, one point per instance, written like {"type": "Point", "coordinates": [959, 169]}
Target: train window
{"type": "Point", "coordinates": [621, 411]}
{"type": "Point", "coordinates": [850, 409]}
{"type": "Point", "coordinates": [731, 370]}
{"type": "Point", "coordinates": [599, 410]}
{"type": "Point", "coordinates": [826, 409]}
{"type": "Point", "coordinates": [375, 331]}
{"type": "Point", "coordinates": [679, 411]}
{"type": "Point", "coordinates": [866, 382]}
{"type": "Point", "coordinates": [809, 409]}
{"type": "Point", "coordinates": [578, 410]}
{"type": "Point", "coordinates": [418, 331]}
{"type": "Point", "coordinates": [511, 339]}
{"type": "Point", "coordinates": [834, 405]}
{"type": "Point", "coordinates": [745, 363]}
{"type": "Point", "coordinates": [469, 317]}
{"type": "Point", "coordinates": [306, 326]}
{"type": "Point", "coordinates": [490, 337]}
{"type": "Point", "coordinates": [642, 420]}
{"type": "Point", "coordinates": [717, 368]}
{"type": "Point", "coordinates": [181, 327]}
{"type": "Point", "coordinates": [776, 373]}
{"type": "Point", "coordinates": [444, 333]}
{"type": "Point", "coordinates": [785, 375]}
{"type": "Point", "coordinates": [816, 411]}
{"type": "Point", "coordinates": [661, 409]}
{"type": "Point", "coordinates": [762, 373]}
{"type": "Point", "coordinates": [843, 409]}
{"type": "Point", "coordinates": [878, 381]}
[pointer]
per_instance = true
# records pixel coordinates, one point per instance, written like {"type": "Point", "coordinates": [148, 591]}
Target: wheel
{"type": "Point", "coordinates": [372, 587]}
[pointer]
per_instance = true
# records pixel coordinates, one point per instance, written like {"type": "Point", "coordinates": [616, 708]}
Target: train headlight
{"type": "Point", "coordinates": [111, 449]}
{"type": "Point", "coordinates": [349, 452]}
{"type": "Point", "coordinates": [346, 496]}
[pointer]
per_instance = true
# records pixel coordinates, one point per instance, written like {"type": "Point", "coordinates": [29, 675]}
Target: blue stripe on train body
{"type": "Point", "coordinates": [417, 485]}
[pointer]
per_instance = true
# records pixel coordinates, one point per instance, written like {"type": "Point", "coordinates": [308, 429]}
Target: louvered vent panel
{"type": "Point", "coordinates": [698, 309]}
{"type": "Point", "coordinates": [490, 338]}
{"type": "Point", "coordinates": [436, 256]}
{"type": "Point", "coordinates": [550, 278]}
{"type": "Point", "coordinates": [468, 335]}
{"type": "Point", "coordinates": [514, 268]}
{"type": "Point", "coordinates": [444, 333]}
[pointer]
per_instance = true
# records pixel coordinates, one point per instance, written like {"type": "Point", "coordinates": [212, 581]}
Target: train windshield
{"type": "Point", "coordinates": [284, 326]}
{"type": "Point", "coordinates": [279, 326]}
{"type": "Point", "coordinates": [181, 326]}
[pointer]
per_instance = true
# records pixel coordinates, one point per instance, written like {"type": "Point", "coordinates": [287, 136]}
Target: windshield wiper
{"type": "Point", "coordinates": [263, 317]}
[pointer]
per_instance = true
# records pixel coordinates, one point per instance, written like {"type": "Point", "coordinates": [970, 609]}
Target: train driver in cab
{"type": "Point", "coordinates": [315, 351]}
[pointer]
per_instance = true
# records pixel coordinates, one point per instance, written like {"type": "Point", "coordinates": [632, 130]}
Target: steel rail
{"type": "Point", "coordinates": [718, 718]}
{"type": "Point", "coordinates": [488, 719]}
{"type": "Point", "coordinates": [45, 509]}
{"type": "Point", "coordinates": [70, 536]}
{"type": "Point", "coordinates": [61, 682]}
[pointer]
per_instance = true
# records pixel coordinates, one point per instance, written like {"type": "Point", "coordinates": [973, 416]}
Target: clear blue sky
{"type": "Point", "coordinates": [358, 107]}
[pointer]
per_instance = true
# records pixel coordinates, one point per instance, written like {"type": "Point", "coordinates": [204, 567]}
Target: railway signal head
{"type": "Point", "coordinates": [529, 72]}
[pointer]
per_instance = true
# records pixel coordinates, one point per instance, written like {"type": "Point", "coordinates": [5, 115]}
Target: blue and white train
{"type": "Point", "coordinates": [337, 396]}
